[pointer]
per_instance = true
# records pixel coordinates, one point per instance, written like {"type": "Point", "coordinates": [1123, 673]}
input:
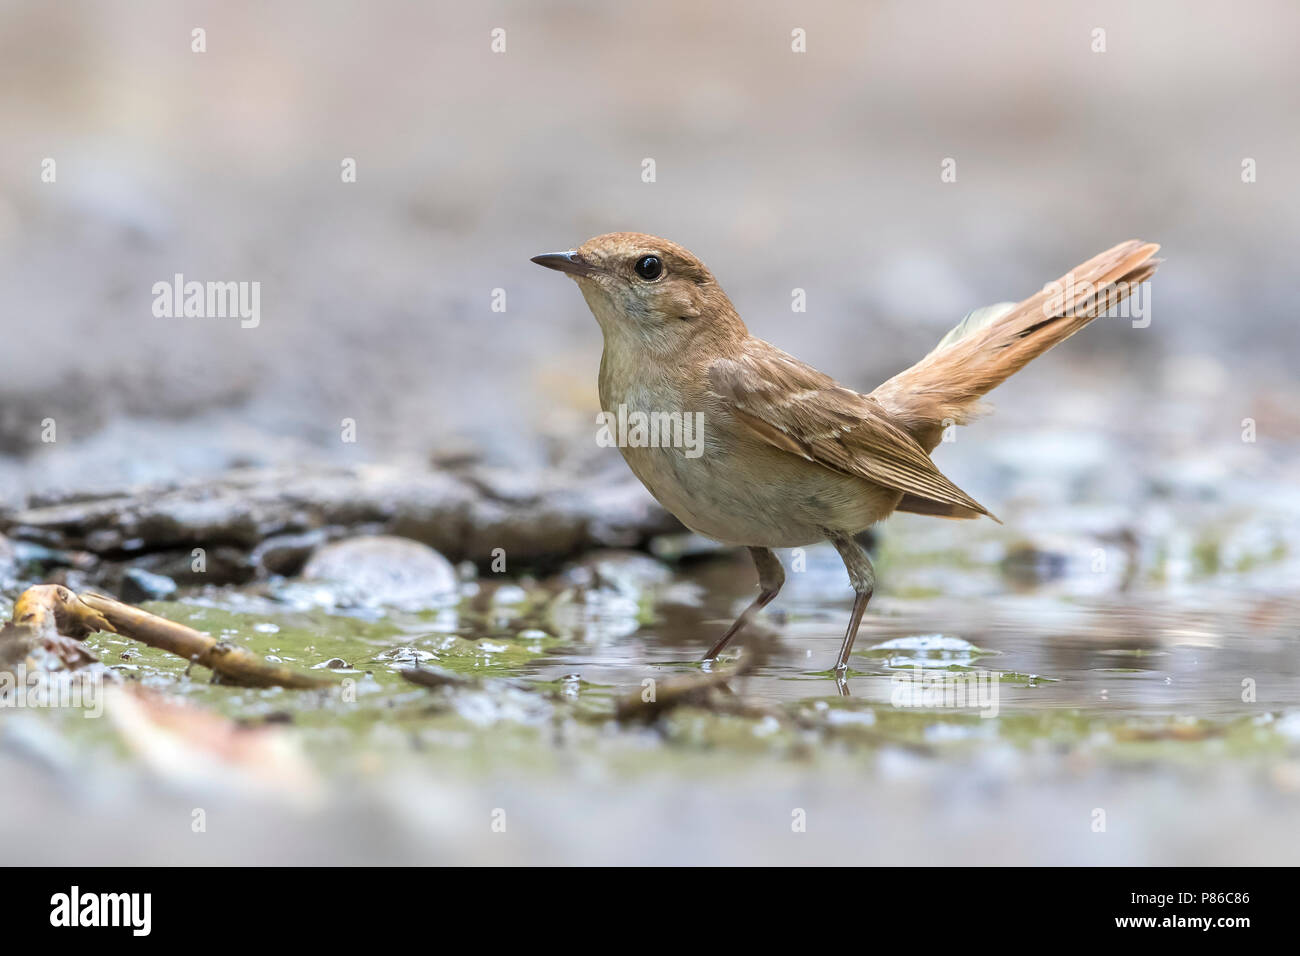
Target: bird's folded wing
{"type": "Point", "coordinates": [798, 409]}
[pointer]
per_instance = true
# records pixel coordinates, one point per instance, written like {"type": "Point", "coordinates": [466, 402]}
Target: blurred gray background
{"type": "Point", "coordinates": [781, 170]}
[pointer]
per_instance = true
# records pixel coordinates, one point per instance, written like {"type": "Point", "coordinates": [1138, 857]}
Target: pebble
{"type": "Point", "coordinates": [383, 570]}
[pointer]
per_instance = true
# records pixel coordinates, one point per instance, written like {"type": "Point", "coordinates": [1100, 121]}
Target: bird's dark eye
{"type": "Point", "coordinates": [649, 268]}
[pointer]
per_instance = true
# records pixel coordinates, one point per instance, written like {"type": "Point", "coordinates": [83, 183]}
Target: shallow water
{"type": "Point", "coordinates": [1207, 653]}
{"type": "Point", "coordinates": [1154, 653]}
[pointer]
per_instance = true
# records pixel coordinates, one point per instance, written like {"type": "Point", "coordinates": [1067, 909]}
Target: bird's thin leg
{"type": "Point", "coordinates": [770, 578]}
{"type": "Point", "coordinates": [863, 578]}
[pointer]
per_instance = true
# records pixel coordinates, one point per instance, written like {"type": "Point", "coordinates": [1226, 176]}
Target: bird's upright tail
{"type": "Point", "coordinates": [991, 344]}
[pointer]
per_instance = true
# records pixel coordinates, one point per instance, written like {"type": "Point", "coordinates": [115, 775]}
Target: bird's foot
{"type": "Point", "coordinates": [841, 680]}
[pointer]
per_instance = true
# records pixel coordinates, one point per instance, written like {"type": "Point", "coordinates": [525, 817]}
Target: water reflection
{"type": "Point", "coordinates": [1223, 653]}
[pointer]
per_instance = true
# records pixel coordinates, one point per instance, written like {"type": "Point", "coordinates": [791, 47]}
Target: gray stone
{"type": "Point", "coordinates": [141, 585]}
{"type": "Point", "coordinates": [8, 560]}
{"type": "Point", "coordinates": [383, 570]}
{"type": "Point", "coordinates": [463, 515]}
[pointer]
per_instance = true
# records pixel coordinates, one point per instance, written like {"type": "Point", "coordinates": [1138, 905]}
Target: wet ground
{"type": "Point", "coordinates": [1168, 711]}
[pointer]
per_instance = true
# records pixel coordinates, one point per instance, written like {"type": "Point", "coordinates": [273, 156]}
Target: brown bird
{"type": "Point", "coordinates": [790, 457]}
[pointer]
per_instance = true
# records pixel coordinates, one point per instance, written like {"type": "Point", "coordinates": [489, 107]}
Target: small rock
{"type": "Point", "coordinates": [383, 569]}
{"type": "Point", "coordinates": [216, 565]}
{"type": "Point", "coordinates": [31, 552]}
{"type": "Point", "coordinates": [509, 594]}
{"type": "Point", "coordinates": [141, 585]}
{"type": "Point", "coordinates": [8, 559]}
{"type": "Point", "coordinates": [405, 654]}
{"type": "Point", "coordinates": [630, 573]}
{"type": "Point", "coordinates": [286, 554]}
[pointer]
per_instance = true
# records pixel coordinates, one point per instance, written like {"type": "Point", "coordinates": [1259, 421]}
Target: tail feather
{"type": "Point", "coordinates": [992, 344]}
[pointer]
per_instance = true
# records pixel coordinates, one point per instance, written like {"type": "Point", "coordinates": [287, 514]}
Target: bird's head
{"type": "Point", "coordinates": [648, 290]}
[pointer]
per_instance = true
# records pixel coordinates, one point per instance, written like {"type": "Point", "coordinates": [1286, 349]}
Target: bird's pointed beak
{"type": "Point", "coordinates": [569, 262]}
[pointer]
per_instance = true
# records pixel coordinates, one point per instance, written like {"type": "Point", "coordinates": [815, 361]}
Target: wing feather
{"type": "Point", "coordinates": [796, 408]}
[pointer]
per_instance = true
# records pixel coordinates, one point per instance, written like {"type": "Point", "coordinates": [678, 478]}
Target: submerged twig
{"type": "Point", "coordinates": [436, 677]}
{"type": "Point", "coordinates": [708, 690]}
{"type": "Point", "coordinates": [53, 609]}
{"type": "Point", "coordinates": [233, 663]}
